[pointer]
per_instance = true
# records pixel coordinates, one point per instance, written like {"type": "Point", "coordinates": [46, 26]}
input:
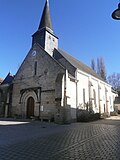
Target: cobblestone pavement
{"type": "Point", "coordinates": [98, 140]}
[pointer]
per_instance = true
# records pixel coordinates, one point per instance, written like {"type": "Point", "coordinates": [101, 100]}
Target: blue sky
{"type": "Point", "coordinates": [84, 27]}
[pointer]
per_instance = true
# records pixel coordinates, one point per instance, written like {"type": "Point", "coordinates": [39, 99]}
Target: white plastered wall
{"type": "Point", "coordinates": [71, 95]}
{"type": "Point", "coordinates": [74, 93]}
{"type": "Point", "coordinates": [83, 83]}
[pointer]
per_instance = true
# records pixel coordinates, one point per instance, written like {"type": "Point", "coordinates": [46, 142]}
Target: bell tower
{"type": "Point", "coordinates": [45, 35]}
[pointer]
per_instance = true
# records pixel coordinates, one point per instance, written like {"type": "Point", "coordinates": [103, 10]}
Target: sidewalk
{"type": "Point", "coordinates": [114, 117]}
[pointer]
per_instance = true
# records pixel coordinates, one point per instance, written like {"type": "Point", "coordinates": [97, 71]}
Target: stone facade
{"type": "Point", "coordinates": [38, 82]}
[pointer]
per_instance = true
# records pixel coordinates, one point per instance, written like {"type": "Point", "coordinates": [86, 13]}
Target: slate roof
{"type": "Point", "coordinates": [8, 79]}
{"type": "Point", "coordinates": [78, 64]}
{"type": "Point", "coordinates": [46, 19]}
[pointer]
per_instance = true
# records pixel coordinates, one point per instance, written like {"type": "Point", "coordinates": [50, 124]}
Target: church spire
{"type": "Point", "coordinates": [46, 19]}
{"type": "Point", "coordinates": [45, 36]}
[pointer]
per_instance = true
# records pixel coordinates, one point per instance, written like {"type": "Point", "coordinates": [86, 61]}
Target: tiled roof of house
{"type": "Point", "coordinates": [1, 80]}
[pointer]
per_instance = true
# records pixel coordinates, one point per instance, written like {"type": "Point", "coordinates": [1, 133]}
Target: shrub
{"type": "Point", "coordinates": [118, 111]}
{"type": "Point", "coordinates": [114, 113]}
{"type": "Point", "coordinates": [96, 116]}
{"type": "Point", "coordinates": [105, 115]}
{"type": "Point", "coordinates": [83, 116]}
{"type": "Point", "coordinates": [86, 116]}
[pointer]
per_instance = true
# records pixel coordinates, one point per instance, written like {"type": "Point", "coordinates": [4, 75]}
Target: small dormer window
{"type": "Point", "coordinates": [49, 37]}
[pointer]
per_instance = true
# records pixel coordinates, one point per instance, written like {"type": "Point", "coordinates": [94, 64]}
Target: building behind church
{"type": "Point", "coordinates": [51, 84]}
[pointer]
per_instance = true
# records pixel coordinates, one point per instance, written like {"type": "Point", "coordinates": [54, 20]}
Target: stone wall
{"type": "Point", "coordinates": [28, 82]}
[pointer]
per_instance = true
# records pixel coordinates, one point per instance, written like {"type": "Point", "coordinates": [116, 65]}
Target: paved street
{"type": "Point", "coordinates": [34, 140]}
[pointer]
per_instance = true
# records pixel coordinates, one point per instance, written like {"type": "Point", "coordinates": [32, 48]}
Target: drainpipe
{"type": "Point", "coordinates": [99, 88]}
{"type": "Point", "coordinates": [65, 85]}
{"type": "Point", "coordinates": [65, 117]}
{"type": "Point", "coordinates": [39, 101]}
{"type": "Point", "coordinates": [76, 81]}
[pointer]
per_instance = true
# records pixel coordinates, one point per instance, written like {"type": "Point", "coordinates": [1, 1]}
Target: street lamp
{"type": "Point", "coordinates": [116, 13]}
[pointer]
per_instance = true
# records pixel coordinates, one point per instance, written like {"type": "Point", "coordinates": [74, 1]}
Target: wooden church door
{"type": "Point", "coordinates": [30, 107]}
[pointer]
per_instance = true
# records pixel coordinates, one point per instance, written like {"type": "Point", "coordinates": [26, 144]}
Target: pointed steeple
{"type": "Point", "coordinates": [46, 19]}
{"type": "Point", "coordinates": [45, 36]}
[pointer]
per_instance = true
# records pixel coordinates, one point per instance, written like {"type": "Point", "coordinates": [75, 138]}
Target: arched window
{"type": "Point", "coordinates": [35, 68]}
{"type": "Point", "coordinates": [84, 97]}
{"type": "Point", "coordinates": [94, 96]}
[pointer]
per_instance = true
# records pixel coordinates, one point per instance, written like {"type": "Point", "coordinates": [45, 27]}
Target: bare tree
{"type": "Point", "coordinates": [100, 68]}
{"type": "Point", "coordinates": [114, 80]}
{"type": "Point", "coordinates": [93, 64]}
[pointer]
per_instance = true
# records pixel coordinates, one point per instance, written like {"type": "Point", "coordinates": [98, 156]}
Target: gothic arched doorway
{"type": "Point", "coordinates": [30, 107]}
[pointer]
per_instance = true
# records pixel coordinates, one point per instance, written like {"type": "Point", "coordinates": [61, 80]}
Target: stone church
{"type": "Point", "coordinates": [51, 84]}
